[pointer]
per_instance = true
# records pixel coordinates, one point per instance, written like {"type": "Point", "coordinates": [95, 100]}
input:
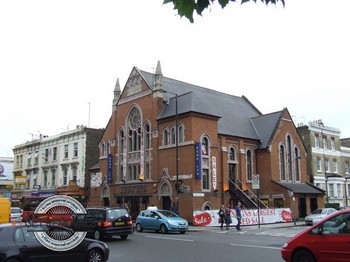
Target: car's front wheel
{"type": "Point", "coordinates": [303, 256]}
{"type": "Point", "coordinates": [163, 229]}
{"type": "Point", "coordinates": [139, 227]}
{"type": "Point", "coordinates": [95, 256]}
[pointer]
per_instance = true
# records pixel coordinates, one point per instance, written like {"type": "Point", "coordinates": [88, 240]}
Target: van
{"type": "Point", "coordinates": [5, 211]}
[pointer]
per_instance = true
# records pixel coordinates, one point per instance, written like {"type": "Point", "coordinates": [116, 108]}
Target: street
{"type": "Point", "coordinates": [212, 244]}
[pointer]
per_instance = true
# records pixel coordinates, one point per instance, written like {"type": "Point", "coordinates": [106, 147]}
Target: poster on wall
{"type": "Point", "coordinates": [249, 217]}
{"type": "Point", "coordinates": [6, 175]}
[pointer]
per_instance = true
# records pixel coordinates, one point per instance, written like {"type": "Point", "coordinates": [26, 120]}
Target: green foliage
{"type": "Point", "coordinates": [187, 7]}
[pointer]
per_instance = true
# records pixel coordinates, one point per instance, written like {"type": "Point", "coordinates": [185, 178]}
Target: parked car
{"type": "Point", "coordinates": [22, 245]}
{"type": "Point", "coordinates": [101, 222]}
{"type": "Point", "coordinates": [16, 214]}
{"type": "Point", "coordinates": [160, 220]}
{"type": "Point", "coordinates": [326, 241]}
{"type": "Point", "coordinates": [318, 214]}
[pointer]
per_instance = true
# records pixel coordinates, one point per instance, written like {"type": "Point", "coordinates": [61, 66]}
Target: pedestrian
{"type": "Point", "coordinates": [228, 219]}
{"type": "Point", "coordinates": [221, 214]}
{"type": "Point", "coordinates": [238, 210]}
{"type": "Point", "coordinates": [174, 208]}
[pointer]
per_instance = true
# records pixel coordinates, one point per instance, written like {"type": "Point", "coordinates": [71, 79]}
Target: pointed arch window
{"type": "Point", "coordinates": [232, 165]}
{"type": "Point", "coordinates": [297, 164]}
{"type": "Point", "coordinates": [282, 163]}
{"type": "Point", "coordinates": [181, 134]}
{"type": "Point", "coordinates": [122, 157]}
{"type": "Point", "coordinates": [249, 165]}
{"type": "Point", "coordinates": [165, 137]}
{"type": "Point", "coordinates": [289, 158]}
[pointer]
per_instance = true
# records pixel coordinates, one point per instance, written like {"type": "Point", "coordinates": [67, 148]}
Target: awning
{"type": "Point", "coordinates": [301, 188]}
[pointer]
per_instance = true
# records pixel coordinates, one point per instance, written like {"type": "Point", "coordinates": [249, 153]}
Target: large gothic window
{"type": "Point", "coordinates": [134, 144]}
{"type": "Point", "coordinates": [121, 158]}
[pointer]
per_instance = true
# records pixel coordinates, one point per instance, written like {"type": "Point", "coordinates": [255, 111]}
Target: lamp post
{"type": "Point", "coordinates": [345, 188]}
{"type": "Point", "coordinates": [176, 147]}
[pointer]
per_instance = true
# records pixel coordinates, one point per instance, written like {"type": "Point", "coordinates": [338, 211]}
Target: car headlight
{"type": "Point", "coordinates": [285, 245]}
{"type": "Point", "coordinates": [173, 223]}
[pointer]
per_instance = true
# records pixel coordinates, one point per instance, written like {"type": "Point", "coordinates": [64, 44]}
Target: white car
{"type": "Point", "coordinates": [318, 214]}
{"type": "Point", "coordinates": [16, 214]}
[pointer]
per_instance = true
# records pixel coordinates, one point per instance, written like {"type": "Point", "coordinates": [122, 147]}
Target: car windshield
{"type": "Point", "coordinates": [319, 211]}
{"type": "Point", "coordinates": [167, 213]}
{"type": "Point", "coordinates": [115, 213]}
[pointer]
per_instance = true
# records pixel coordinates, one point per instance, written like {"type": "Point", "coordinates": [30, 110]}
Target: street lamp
{"type": "Point", "coordinates": [345, 188]}
{"type": "Point", "coordinates": [176, 145]}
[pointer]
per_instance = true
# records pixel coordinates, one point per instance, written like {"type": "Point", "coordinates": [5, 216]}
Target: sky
{"type": "Point", "coordinates": [60, 59]}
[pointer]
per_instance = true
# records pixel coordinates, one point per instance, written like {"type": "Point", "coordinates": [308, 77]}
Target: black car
{"type": "Point", "coordinates": [19, 244]}
{"type": "Point", "coordinates": [104, 222]}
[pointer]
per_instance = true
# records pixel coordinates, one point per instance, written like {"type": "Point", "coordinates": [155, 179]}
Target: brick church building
{"type": "Point", "coordinates": [173, 142]}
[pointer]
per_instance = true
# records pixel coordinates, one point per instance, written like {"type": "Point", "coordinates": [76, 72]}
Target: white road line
{"type": "Point", "coordinates": [250, 246]}
{"type": "Point", "coordinates": [168, 238]}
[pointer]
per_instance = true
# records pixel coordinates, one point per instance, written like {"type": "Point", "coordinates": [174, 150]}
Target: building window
{"type": "Point", "coordinates": [181, 134]}
{"type": "Point", "coordinates": [324, 142]}
{"type": "Point", "coordinates": [232, 164]}
{"type": "Point", "coordinates": [326, 163]}
{"type": "Point", "coordinates": [332, 143]}
{"type": "Point", "coordinates": [335, 166]}
{"type": "Point", "coordinates": [54, 157]}
{"type": "Point", "coordinates": [317, 141]}
{"type": "Point", "coordinates": [65, 176]}
{"type": "Point", "coordinates": [282, 163]}
{"type": "Point", "coordinates": [53, 174]}
{"type": "Point", "coordinates": [75, 150]}
{"type": "Point", "coordinates": [46, 155]}
{"type": "Point", "coordinates": [338, 190]}
{"type": "Point", "coordinates": [45, 178]}
{"type": "Point", "coordinates": [74, 173]}
{"type": "Point", "coordinates": [134, 144]}
{"type": "Point", "coordinates": [289, 158]}
{"type": "Point", "coordinates": [331, 189]}
{"type": "Point", "coordinates": [103, 149]}
{"type": "Point", "coordinates": [319, 165]}
{"type": "Point", "coordinates": [66, 151]}
{"type": "Point", "coordinates": [165, 137]}
{"type": "Point", "coordinates": [297, 164]}
{"type": "Point", "coordinates": [29, 163]}
{"type": "Point", "coordinates": [172, 135]}
{"type": "Point", "coordinates": [122, 157]}
{"type": "Point", "coordinates": [36, 158]}
{"type": "Point", "coordinates": [205, 164]}
{"type": "Point", "coordinates": [249, 165]}
{"type": "Point", "coordinates": [347, 168]}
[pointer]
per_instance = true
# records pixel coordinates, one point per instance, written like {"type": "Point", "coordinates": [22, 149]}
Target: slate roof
{"type": "Point", "coordinates": [301, 188]}
{"type": "Point", "coordinates": [234, 112]}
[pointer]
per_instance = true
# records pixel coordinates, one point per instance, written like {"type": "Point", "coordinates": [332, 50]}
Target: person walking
{"type": "Point", "coordinates": [174, 208]}
{"type": "Point", "coordinates": [238, 210]}
{"type": "Point", "coordinates": [221, 214]}
{"type": "Point", "coordinates": [228, 219]}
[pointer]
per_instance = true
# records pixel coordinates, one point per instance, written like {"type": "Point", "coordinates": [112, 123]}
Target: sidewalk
{"type": "Point", "coordinates": [192, 228]}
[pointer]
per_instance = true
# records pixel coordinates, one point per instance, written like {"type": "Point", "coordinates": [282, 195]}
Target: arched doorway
{"type": "Point", "coordinates": [165, 194]}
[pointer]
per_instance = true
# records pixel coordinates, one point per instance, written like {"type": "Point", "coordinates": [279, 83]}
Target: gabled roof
{"type": "Point", "coordinates": [266, 126]}
{"type": "Point", "coordinates": [234, 112]}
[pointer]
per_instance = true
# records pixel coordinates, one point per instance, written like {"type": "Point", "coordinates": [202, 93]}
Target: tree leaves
{"type": "Point", "coordinates": [187, 7]}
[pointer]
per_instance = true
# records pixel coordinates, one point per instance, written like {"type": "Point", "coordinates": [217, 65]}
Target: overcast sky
{"type": "Point", "coordinates": [59, 60]}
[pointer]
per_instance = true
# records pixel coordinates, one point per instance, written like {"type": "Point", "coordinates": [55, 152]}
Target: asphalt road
{"type": "Point", "coordinates": [252, 244]}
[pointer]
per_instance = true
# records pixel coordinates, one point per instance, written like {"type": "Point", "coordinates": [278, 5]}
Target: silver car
{"type": "Point", "coordinates": [16, 214]}
{"type": "Point", "coordinates": [318, 214]}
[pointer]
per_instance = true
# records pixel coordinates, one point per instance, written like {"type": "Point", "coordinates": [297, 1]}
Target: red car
{"type": "Point", "coordinates": [326, 241]}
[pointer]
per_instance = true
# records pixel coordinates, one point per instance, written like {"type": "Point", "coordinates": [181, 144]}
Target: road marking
{"type": "Point", "coordinates": [168, 238]}
{"type": "Point", "coordinates": [239, 245]}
